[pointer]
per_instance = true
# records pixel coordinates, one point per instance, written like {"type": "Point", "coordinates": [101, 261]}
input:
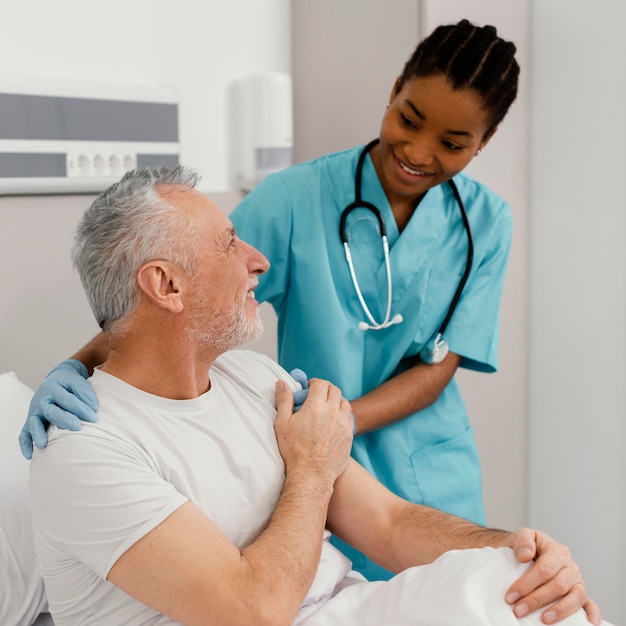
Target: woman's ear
{"type": "Point", "coordinates": [487, 138]}
{"type": "Point", "coordinates": [162, 284]}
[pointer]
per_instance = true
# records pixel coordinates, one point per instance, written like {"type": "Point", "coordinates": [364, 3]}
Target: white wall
{"type": "Point", "coordinates": [196, 47]}
{"type": "Point", "coordinates": [577, 418]}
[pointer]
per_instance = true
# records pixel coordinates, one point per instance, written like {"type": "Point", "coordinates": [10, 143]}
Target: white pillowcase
{"type": "Point", "coordinates": [22, 594]}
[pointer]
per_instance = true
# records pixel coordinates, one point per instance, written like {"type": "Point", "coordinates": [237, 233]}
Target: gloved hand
{"type": "Point", "coordinates": [64, 398]}
{"type": "Point", "coordinates": [300, 396]}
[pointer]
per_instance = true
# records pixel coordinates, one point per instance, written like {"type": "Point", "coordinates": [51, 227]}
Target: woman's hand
{"type": "Point", "coordinates": [63, 399]}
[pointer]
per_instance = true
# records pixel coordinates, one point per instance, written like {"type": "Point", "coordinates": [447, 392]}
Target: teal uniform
{"type": "Point", "coordinates": [292, 217]}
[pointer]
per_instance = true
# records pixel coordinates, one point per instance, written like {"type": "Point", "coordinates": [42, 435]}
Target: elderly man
{"type": "Point", "coordinates": [200, 497]}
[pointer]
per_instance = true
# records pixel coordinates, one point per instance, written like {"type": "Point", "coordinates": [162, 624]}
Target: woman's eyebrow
{"type": "Point", "coordinates": [463, 133]}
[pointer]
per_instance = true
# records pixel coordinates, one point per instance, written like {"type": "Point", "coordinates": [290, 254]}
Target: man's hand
{"type": "Point", "coordinates": [319, 436]}
{"type": "Point", "coordinates": [553, 578]}
{"type": "Point", "coordinates": [64, 398]}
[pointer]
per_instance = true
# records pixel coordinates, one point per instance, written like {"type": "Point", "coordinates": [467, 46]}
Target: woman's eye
{"type": "Point", "coordinates": [452, 146]}
{"type": "Point", "coordinates": [407, 121]}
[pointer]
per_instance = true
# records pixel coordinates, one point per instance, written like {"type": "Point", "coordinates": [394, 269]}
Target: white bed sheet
{"type": "Point", "coordinates": [461, 587]}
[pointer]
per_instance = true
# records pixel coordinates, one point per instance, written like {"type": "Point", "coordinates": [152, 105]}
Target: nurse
{"type": "Point", "coordinates": [413, 429]}
{"type": "Point", "coordinates": [371, 329]}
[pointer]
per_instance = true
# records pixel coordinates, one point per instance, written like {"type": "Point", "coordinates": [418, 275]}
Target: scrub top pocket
{"type": "Point", "coordinates": [436, 299]}
{"type": "Point", "coordinates": [448, 477]}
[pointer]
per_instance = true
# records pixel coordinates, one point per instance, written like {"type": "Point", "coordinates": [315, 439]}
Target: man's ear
{"type": "Point", "coordinates": [161, 283]}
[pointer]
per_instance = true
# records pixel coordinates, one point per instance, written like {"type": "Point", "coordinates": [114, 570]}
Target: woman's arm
{"type": "Point", "coordinates": [404, 394]}
{"type": "Point", "coordinates": [94, 353]}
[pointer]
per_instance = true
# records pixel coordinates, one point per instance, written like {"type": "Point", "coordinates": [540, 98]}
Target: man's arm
{"type": "Point", "coordinates": [398, 534]}
{"type": "Point", "coordinates": [186, 568]}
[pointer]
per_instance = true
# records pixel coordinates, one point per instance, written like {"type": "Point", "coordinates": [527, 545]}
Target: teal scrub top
{"type": "Point", "coordinates": [292, 217]}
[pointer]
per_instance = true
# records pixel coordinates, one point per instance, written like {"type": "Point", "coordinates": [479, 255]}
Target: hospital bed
{"type": "Point", "coordinates": [22, 596]}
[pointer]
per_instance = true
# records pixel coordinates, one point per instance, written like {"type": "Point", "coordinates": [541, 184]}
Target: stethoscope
{"type": "Point", "coordinates": [436, 349]}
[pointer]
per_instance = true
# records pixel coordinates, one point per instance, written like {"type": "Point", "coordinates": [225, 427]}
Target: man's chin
{"type": "Point", "coordinates": [245, 334]}
{"type": "Point", "coordinates": [254, 332]}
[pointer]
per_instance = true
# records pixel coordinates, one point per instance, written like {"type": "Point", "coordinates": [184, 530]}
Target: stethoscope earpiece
{"type": "Point", "coordinates": [436, 349]}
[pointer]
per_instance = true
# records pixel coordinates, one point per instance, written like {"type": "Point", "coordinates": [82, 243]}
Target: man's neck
{"type": "Point", "coordinates": [164, 369]}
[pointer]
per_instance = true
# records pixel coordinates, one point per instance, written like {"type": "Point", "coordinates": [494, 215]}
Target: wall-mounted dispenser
{"type": "Point", "coordinates": [262, 126]}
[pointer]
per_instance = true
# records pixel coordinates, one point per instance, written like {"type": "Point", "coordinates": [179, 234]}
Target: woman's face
{"type": "Point", "coordinates": [429, 133]}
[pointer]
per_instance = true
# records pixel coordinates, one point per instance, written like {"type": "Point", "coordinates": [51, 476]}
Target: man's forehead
{"type": "Point", "coordinates": [188, 199]}
{"type": "Point", "coordinates": [171, 190]}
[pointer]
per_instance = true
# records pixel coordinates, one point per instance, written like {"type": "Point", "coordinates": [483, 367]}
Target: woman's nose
{"type": "Point", "coordinates": [419, 152]}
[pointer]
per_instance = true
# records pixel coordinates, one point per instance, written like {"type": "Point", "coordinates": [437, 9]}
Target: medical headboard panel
{"type": "Point", "coordinates": [68, 136]}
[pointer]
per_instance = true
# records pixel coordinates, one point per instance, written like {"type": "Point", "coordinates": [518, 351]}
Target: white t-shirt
{"type": "Point", "coordinates": [98, 491]}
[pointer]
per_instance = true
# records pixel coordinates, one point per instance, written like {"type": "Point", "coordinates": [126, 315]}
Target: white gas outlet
{"type": "Point", "coordinates": [99, 164]}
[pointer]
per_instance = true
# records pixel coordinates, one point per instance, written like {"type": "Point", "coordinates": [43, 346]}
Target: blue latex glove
{"type": "Point", "coordinates": [300, 396]}
{"type": "Point", "coordinates": [64, 398]}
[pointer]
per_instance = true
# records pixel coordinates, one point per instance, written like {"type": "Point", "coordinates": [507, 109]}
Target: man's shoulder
{"type": "Point", "coordinates": [246, 378]}
{"type": "Point", "coordinates": [251, 369]}
{"type": "Point", "coordinates": [244, 358]}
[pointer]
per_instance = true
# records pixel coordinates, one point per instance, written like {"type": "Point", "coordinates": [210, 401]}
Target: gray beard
{"type": "Point", "coordinates": [226, 332]}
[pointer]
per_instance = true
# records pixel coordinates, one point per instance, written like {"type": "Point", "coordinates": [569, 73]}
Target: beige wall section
{"type": "Point", "coordinates": [346, 56]}
{"type": "Point", "coordinates": [497, 403]}
{"type": "Point", "coordinates": [44, 315]}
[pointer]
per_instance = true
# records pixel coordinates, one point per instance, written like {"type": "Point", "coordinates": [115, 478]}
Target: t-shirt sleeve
{"type": "Point", "coordinates": [98, 496]}
{"type": "Point", "coordinates": [473, 331]}
{"type": "Point", "coordinates": [264, 219]}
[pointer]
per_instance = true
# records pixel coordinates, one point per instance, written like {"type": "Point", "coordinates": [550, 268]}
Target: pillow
{"type": "Point", "coordinates": [22, 594]}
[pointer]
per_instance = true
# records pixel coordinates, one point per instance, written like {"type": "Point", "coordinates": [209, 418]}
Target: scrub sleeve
{"type": "Point", "coordinates": [292, 217]}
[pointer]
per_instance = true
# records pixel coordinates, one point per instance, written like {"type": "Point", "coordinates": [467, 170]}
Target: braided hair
{"type": "Point", "coordinates": [470, 57]}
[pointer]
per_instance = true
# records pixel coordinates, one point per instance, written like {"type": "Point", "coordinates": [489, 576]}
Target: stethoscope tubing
{"type": "Point", "coordinates": [468, 262]}
{"type": "Point", "coordinates": [360, 203]}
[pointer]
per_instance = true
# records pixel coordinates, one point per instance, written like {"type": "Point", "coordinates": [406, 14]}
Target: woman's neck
{"type": "Point", "coordinates": [402, 206]}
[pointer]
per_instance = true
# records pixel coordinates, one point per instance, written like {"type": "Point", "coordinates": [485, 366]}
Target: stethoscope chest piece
{"type": "Point", "coordinates": [435, 351]}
